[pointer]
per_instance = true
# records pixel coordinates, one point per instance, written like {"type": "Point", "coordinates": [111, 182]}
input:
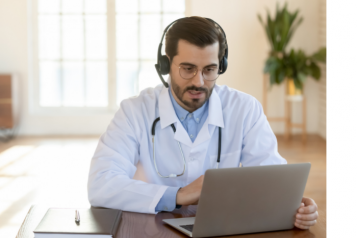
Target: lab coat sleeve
{"type": "Point", "coordinates": [260, 146]}
{"type": "Point", "coordinates": [112, 168]}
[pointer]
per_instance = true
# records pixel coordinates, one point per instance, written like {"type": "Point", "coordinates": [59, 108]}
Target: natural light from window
{"type": "Point", "coordinates": [74, 44]}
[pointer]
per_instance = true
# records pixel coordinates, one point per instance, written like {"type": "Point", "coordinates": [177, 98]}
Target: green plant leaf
{"type": "Point", "coordinates": [281, 76]}
{"type": "Point", "coordinates": [292, 31]}
{"type": "Point", "coordinates": [320, 55]}
{"type": "Point", "coordinates": [276, 80]}
{"type": "Point", "coordinates": [294, 64]}
{"type": "Point", "coordinates": [315, 71]}
{"type": "Point", "coordinates": [299, 81]}
{"type": "Point", "coordinates": [270, 31]}
{"type": "Point", "coordinates": [269, 37]}
{"type": "Point", "coordinates": [272, 78]}
{"type": "Point", "coordinates": [285, 29]}
{"type": "Point", "coordinates": [289, 72]}
{"type": "Point", "coordinates": [271, 65]}
{"type": "Point", "coordinates": [293, 17]}
{"type": "Point", "coordinates": [301, 77]}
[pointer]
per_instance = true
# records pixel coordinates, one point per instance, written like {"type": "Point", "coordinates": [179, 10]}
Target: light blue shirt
{"type": "Point", "coordinates": [192, 122]}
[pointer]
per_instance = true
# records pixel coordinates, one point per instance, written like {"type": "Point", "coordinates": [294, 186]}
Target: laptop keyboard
{"type": "Point", "coordinates": [188, 227]}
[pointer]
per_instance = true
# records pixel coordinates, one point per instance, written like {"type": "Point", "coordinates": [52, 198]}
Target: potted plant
{"type": "Point", "coordinates": [295, 65]}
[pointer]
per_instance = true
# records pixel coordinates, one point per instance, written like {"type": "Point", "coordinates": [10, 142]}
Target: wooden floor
{"type": "Point", "coordinates": [53, 171]}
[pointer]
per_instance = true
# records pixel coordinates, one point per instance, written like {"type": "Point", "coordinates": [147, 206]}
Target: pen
{"type": "Point", "coordinates": [77, 217]}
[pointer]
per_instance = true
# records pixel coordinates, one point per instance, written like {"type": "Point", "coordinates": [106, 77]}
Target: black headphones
{"type": "Point", "coordinates": [163, 62]}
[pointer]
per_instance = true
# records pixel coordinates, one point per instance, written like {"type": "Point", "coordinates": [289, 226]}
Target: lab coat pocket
{"type": "Point", "coordinates": [227, 160]}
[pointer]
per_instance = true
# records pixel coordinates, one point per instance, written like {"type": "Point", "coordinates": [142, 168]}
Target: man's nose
{"type": "Point", "coordinates": [198, 79]}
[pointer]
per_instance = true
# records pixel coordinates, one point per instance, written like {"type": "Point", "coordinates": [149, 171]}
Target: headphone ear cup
{"type": "Point", "coordinates": [164, 64]}
{"type": "Point", "coordinates": [223, 65]}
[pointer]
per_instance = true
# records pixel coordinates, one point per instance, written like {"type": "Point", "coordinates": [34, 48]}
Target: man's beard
{"type": "Point", "coordinates": [194, 103]}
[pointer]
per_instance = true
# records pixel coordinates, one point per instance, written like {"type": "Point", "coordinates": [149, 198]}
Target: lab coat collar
{"type": "Point", "coordinates": [215, 118]}
{"type": "Point", "coordinates": [167, 111]}
{"type": "Point", "coordinates": [215, 113]}
{"type": "Point", "coordinates": [168, 116]}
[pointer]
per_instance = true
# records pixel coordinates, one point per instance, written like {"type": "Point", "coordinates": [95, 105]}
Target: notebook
{"type": "Point", "coordinates": [94, 223]}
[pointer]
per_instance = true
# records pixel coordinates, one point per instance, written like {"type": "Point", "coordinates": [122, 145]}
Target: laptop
{"type": "Point", "coordinates": [246, 200]}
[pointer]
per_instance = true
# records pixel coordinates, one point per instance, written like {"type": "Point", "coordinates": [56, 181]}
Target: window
{"type": "Point", "coordinates": [95, 53]}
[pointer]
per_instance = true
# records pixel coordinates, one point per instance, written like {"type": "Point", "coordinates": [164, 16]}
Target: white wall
{"type": "Point", "coordinates": [248, 48]}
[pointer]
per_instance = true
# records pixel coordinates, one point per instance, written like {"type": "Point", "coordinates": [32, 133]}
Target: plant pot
{"type": "Point", "coordinates": [291, 90]}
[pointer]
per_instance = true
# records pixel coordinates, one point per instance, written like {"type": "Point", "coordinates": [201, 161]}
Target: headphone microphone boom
{"type": "Point", "coordinates": [163, 63]}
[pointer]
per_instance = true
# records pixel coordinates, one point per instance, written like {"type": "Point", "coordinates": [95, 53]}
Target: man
{"type": "Point", "coordinates": [196, 107]}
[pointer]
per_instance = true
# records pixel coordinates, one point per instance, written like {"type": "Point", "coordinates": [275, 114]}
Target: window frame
{"type": "Point", "coordinates": [34, 80]}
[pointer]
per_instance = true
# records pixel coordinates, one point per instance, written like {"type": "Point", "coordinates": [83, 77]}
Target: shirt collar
{"type": "Point", "coordinates": [182, 113]}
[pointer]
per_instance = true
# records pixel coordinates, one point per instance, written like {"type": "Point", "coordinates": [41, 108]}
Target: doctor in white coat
{"type": "Point", "coordinates": [196, 53]}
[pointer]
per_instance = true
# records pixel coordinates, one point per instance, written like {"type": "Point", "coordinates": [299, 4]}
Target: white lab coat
{"type": "Point", "coordinates": [246, 138]}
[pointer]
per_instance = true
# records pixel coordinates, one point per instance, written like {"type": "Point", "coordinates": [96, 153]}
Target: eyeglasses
{"type": "Point", "coordinates": [209, 73]}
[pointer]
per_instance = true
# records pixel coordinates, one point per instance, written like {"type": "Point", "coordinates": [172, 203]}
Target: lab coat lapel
{"type": "Point", "coordinates": [182, 136]}
{"type": "Point", "coordinates": [215, 113]}
{"type": "Point", "coordinates": [168, 116]}
{"type": "Point", "coordinates": [215, 118]}
{"type": "Point", "coordinates": [166, 110]}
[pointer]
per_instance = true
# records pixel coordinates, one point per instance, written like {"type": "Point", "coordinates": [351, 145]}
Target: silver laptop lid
{"type": "Point", "coordinates": [250, 199]}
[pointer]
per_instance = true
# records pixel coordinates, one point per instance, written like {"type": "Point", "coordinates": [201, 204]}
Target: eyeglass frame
{"type": "Point", "coordinates": [197, 69]}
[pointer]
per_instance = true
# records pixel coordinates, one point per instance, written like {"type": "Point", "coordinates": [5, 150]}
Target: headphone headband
{"type": "Point", "coordinates": [163, 63]}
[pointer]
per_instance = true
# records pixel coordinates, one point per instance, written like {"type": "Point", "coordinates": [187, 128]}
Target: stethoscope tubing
{"type": "Point", "coordinates": [179, 144]}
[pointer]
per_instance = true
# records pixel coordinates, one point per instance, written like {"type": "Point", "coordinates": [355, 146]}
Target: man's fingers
{"type": "Point", "coordinates": [308, 209]}
{"type": "Point", "coordinates": [308, 201]}
{"type": "Point", "coordinates": [305, 223]}
{"type": "Point", "coordinates": [307, 217]}
{"type": "Point", "coordinates": [301, 226]}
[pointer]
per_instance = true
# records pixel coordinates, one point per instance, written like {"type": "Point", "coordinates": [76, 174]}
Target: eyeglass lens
{"type": "Point", "coordinates": [189, 71]}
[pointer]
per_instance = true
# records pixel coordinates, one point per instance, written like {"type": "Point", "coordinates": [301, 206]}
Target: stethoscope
{"type": "Point", "coordinates": [183, 157]}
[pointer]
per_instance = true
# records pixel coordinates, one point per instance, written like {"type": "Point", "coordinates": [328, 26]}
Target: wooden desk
{"type": "Point", "coordinates": [148, 225]}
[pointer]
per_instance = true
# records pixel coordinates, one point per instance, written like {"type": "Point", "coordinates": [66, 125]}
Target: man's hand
{"type": "Point", "coordinates": [307, 214]}
{"type": "Point", "coordinates": [190, 194]}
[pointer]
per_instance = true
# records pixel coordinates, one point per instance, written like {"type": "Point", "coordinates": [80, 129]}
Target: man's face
{"type": "Point", "coordinates": [192, 93]}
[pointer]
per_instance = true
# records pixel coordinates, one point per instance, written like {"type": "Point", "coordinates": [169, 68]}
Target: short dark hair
{"type": "Point", "coordinates": [196, 30]}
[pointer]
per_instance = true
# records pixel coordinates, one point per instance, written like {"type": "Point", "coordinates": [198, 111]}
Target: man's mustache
{"type": "Point", "coordinates": [196, 89]}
